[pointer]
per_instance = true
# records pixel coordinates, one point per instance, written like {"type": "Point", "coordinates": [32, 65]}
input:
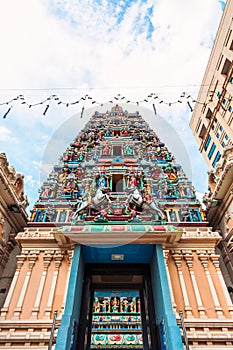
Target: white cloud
{"type": "Point", "coordinates": [6, 135]}
{"type": "Point", "coordinates": [29, 180]}
{"type": "Point", "coordinates": [200, 196]}
{"type": "Point", "coordinates": [71, 43]}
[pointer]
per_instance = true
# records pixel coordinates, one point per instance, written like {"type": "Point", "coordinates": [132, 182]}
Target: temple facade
{"type": "Point", "coordinates": [117, 253]}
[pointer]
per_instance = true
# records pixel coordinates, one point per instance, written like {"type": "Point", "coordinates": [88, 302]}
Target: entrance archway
{"type": "Point", "coordinates": [117, 309]}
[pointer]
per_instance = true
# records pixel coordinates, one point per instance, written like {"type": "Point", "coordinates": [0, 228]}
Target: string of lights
{"type": "Point", "coordinates": [152, 97]}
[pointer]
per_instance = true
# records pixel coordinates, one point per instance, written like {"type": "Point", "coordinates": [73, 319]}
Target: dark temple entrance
{"type": "Point", "coordinates": [117, 309]}
{"type": "Point", "coordinates": [117, 183]}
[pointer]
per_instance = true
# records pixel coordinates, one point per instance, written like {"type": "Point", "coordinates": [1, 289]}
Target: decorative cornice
{"type": "Point", "coordinates": [31, 324]}
{"type": "Point", "coordinates": [198, 233]}
{"type": "Point", "coordinates": [119, 234]}
{"type": "Point", "coordinates": [64, 237]}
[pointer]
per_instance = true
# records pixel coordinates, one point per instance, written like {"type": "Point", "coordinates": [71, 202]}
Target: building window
{"type": "Point", "coordinates": [224, 101]}
{"type": "Point", "coordinates": [216, 159]}
{"type": "Point", "coordinates": [207, 142]}
{"type": "Point", "coordinates": [202, 132]}
{"type": "Point", "coordinates": [221, 128]}
{"type": "Point", "coordinates": [218, 135]}
{"type": "Point", "coordinates": [212, 149]}
{"type": "Point", "coordinates": [209, 114]}
{"type": "Point", "coordinates": [226, 67]}
{"type": "Point", "coordinates": [231, 46]}
{"type": "Point", "coordinates": [198, 125]}
{"type": "Point", "coordinates": [219, 94]}
{"type": "Point", "coordinates": [227, 137]}
{"type": "Point", "coordinates": [231, 80]}
{"type": "Point", "coordinates": [228, 37]}
{"type": "Point", "coordinates": [223, 144]}
{"type": "Point", "coordinates": [230, 109]}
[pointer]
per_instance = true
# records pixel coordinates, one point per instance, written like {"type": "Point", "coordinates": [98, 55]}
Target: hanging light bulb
{"type": "Point", "coordinates": [154, 109]}
{"type": "Point", "coordinates": [191, 109]}
{"type": "Point", "coordinates": [82, 111]}
{"type": "Point", "coordinates": [8, 111]}
{"type": "Point", "coordinates": [45, 111]}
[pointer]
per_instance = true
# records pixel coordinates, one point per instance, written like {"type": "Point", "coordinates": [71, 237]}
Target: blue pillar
{"type": "Point", "coordinates": [162, 300]}
{"type": "Point", "coordinates": [73, 302]}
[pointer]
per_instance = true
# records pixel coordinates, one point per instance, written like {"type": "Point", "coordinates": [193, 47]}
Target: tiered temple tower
{"type": "Point", "coordinates": [117, 253]}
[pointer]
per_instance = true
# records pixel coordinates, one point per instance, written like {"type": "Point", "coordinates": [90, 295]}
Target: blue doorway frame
{"type": "Point", "coordinates": [151, 255]}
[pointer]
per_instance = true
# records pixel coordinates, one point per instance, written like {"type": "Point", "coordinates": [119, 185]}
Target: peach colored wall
{"type": "Point", "coordinates": [190, 289]}
{"type": "Point", "coordinates": [219, 290]}
{"type": "Point", "coordinates": [46, 291]}
{"type": "Point", "coordinates": [32, 288]}
{"type": "Point", "coordinates": [61, 285]}
{"type": "Point", "coordinates": [17, 289]}
{"type": "Point", "coordinates": [203, 286]}
{"type": "Point", "coordinates": [33, 285]}
{"type": "Point", "coordinates": [176, 287]}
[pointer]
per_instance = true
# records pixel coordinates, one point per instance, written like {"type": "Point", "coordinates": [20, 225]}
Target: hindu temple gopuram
{"type": "Point", "coordinates": [117, 253]}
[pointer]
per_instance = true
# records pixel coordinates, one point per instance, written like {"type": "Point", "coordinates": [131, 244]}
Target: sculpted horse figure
{"type": "Point", "coordinates": [95, 202]}
{"type": "Point", "coordinates": [135, 198]}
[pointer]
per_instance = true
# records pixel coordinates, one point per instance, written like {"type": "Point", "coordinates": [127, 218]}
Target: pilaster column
{"type": "Point", "coordinates": [215, 259]}
{"type": "Point", "coordinates": [20, 261]}
{"type": "Point", "coordinates": [47, 259]}
{"type": "Point", "coordinates": [203, 256]}
{"type": "Point", "coordinates": [178, 261]}
{"type": "Point", "coordinates": [32, 257]}
{"type": "Point", "coordinates": [73, 301]}
{"type": "Point", "coordinates": [166, 254]}
{"type": "Point", "coordinates": [58, 259]}
{"type": "Point", "coordinates": [69, 259]}
{"type": "Point", "coordinates": [189, 261]}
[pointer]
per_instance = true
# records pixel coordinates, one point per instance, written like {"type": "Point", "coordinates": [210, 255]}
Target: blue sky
{"type": "Point", "coordinates": [101, 48]}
